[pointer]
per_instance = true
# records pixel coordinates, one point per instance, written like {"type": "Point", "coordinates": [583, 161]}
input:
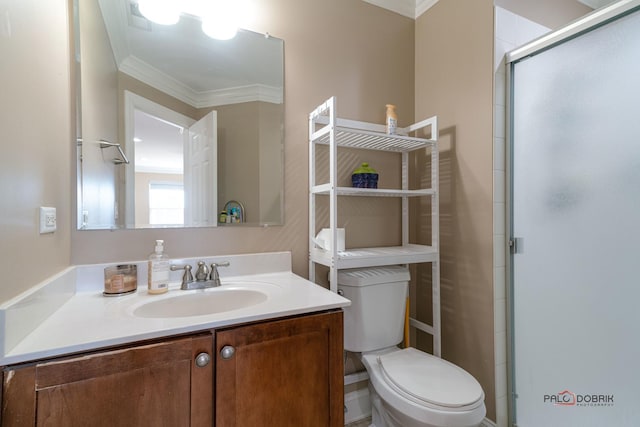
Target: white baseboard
{"type": "Point", "coordinates": [357, 404]}
{"type": "Point", "coordinates": [488, 423]}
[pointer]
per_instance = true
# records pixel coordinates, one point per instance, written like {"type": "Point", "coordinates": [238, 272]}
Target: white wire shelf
{"type": "Point", "coordinates": [371, 257]}
{"type": "Point", "coordinates": [370, 140]}
{"type": "Point", "coordinates": [324, 189]}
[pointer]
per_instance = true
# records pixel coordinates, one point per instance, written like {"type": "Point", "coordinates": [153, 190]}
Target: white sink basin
{"type": "Point", "coordinates": [198, 303]}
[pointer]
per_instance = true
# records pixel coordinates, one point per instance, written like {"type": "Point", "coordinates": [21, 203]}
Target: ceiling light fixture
{"type": "Point", "coordinates": [220, 18]}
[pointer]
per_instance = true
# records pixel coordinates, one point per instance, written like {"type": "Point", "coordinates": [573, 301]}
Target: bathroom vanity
{"type": "Point", "coordinates": [276, 363]}
{"type": "Point", "coordinates": [281, 372]}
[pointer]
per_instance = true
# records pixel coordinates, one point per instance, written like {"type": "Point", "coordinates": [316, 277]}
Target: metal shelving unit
{"type": "Point", "coordinates": [326, 129]}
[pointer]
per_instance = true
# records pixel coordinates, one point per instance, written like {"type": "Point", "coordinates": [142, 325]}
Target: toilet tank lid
{"type": "Point", "coordinates": [373, 276]}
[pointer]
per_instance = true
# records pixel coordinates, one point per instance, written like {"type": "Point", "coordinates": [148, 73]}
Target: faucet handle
{"type": "Point", "coordinates": [214, 271]}
{"type": "Point", "coordinates": [187, 277]}
{"type": "Point", "coordinates": [220, 264]}
{"type": "Point", "coordinates": [202, 274]}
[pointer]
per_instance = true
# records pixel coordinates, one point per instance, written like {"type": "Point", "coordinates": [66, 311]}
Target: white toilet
{"type": "Point", "coordinates": [408, 388]}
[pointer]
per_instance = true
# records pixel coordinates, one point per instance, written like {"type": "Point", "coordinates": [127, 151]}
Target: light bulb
{"type": "Point", "coordinates": [219, 29]}
{"type": "Point", "coordinates": [220, 19]}
{"type": "Point", "coordinates": [164, 12]}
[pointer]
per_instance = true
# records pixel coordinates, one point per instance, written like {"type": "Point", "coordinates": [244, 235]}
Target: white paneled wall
{"type": "Point", "coordinates": [511, 31]}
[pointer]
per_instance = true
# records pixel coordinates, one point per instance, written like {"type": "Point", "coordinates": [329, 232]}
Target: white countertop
{"type": "Point", "coordinates": [88, 320]}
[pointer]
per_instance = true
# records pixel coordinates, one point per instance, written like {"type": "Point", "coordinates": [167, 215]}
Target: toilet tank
{"type": "Point", "coordinates": [375, 318]}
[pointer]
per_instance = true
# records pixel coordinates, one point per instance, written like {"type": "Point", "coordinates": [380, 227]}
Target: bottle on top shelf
{"type": "Point", "coordinates": [392, 119]}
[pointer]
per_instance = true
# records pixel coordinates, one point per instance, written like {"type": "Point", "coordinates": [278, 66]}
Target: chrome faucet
{"type": "Point", "coordinates": [203, 278]}
{"type": "Point", "coordinates": [202, 273]}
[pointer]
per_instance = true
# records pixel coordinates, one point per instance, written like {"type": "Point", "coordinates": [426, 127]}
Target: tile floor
{"type": "Point", "coordinates": [362, 423]}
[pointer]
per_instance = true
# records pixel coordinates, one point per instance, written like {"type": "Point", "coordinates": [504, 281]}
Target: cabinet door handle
{"type": "Point", "coordinates": [202, 359]}
{"type": "Point", "coordinates": [227, 352]}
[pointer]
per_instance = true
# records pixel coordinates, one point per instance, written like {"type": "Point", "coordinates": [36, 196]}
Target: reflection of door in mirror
{"type": "Point", "coordinates": [200, 173]}
{"type": "Point", "coordinates": [158, 139]}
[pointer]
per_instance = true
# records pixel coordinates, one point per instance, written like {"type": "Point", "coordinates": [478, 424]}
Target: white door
{"type": "Point", "coordinates": [201, 173]}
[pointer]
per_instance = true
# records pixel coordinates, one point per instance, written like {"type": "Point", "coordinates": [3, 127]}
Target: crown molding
{"type": "Point", "coordinates": [147, 74]}
{"type": "Point", "coordinates": [409, 8]}
{"type": "Point", "coordinates": [238, 95]}
{"type": "Point", "coordinates": [595, 4]}
{"type": "Point", "coordinates": [423, 5]}
{"type": "Point", "coordinates": [403, 7]}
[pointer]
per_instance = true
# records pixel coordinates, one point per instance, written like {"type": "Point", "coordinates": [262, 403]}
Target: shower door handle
{"type": "Point", "coordinates": [516, 245]}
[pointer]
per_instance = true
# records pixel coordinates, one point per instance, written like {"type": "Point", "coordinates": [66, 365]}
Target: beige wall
{"type": "Point", "coordinates": [348, 48]}
{"type": "Point", "coordinates": [250, 159]}
{"type": "Point", "coordinates": [239, 156]}
{"type": "Point", "coordinates": [454, 79]}
{"type": "Point", "coordinates": [37, 160]}
{"type": "Point", "coordinates": [271, 195]}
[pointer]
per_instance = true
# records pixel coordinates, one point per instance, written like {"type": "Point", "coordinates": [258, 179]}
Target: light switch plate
{"type": "Point", "coordinates": [47, 220]}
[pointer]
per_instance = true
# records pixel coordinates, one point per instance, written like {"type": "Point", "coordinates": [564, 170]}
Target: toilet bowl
{"type": "Point", "coordinates": [407, 387]}
{"type": "Point", "coordinates": [410, 388]}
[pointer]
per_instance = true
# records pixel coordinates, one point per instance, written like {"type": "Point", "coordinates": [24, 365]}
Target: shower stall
{"type": "Point", "coordinates": [574, 224]}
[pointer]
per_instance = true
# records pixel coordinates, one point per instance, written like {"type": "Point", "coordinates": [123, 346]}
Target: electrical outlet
{"type": "Point", "coordinates": [47, 220]}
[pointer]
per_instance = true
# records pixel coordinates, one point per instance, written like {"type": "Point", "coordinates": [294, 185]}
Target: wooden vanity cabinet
{"type": "Point", "coordinates": [148, 385]}
{"type": "Point", "coordinates": [281, 373]}
{"type": "Point", "coordinates": [284, 373]}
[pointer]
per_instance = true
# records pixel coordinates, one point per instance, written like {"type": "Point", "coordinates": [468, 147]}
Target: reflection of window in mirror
{"type": "Point", "coordinates": [166, 203]}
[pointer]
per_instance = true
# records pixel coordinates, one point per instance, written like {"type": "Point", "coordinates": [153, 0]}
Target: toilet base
{"type": "Point", "coordinates": [391, 410]}
{"type": "Point", "coordinates": [380, 417]}
{"type": "Point", "coordinates": [383, 415]}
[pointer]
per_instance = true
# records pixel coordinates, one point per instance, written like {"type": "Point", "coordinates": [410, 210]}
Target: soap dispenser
{"type": "Point", "coordinates": [159, 267]}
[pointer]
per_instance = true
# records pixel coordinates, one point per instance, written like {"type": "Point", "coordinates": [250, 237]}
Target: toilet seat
{"type": "Point", "coordinates": [403, 401]}
{"type": "Point", "coordinates": [429, 380]}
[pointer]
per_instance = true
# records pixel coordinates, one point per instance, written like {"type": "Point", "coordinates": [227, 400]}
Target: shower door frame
{"type": "Point", "coordinates": [596, 19]}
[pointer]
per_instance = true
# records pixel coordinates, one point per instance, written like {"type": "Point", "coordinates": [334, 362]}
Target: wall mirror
{"type": "Point", "coordinates": [175, 127]}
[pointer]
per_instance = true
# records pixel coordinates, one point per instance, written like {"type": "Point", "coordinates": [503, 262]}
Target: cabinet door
{"type": "Point", "coordinates": [282, 373]}
{"type": "Point", "coordinates": [151, 385]}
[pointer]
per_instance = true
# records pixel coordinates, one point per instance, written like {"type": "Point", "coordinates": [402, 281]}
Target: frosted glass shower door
{"type": "Point", "coordinates": [575, 199]}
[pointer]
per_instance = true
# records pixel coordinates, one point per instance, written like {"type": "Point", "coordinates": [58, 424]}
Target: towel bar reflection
{"type": "Point", "coordinates": [117, 161]}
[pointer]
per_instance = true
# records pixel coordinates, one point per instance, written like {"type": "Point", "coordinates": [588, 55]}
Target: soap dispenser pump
{"type": "Point", "coordinates": [159, 267]}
